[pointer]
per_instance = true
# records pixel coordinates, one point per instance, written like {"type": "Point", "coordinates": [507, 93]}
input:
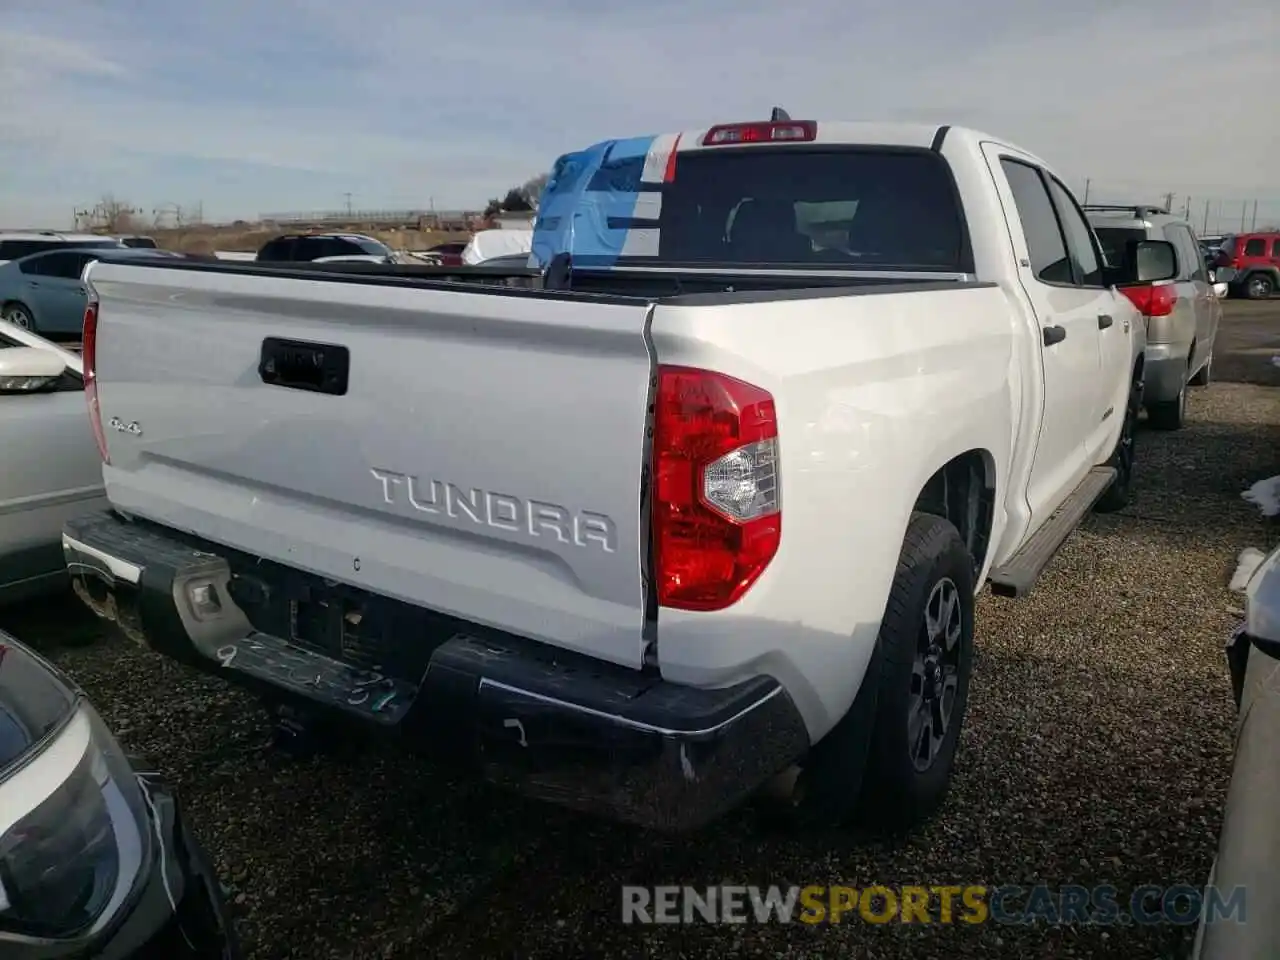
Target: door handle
{"type": "Point", "coordinates": [32, 283]}
{"type": "Point", "coordinates": [1054, 334]}
{"type": "Point", "coordinates": [1104, 321]}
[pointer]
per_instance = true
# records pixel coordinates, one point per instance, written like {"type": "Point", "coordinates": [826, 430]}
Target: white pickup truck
{"type": "Point", "coordinates": [703, 505]}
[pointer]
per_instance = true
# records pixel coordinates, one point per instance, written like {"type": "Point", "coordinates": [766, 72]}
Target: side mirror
{"type": "Point", "coordinates": [28, 369]}
{"type": "Point", "coordinates": [1146, 261]}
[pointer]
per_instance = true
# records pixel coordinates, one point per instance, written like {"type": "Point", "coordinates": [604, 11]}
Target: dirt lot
{"type": "Point", "coordinates": [1097, 750]}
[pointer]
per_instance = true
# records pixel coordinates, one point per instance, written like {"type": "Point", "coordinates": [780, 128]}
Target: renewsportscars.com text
{"type": "Point", "coordinates": [945, 904]}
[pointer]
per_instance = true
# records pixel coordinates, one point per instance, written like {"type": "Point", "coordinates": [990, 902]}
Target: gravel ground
{"type": "Point", "coordinates": [1097, 750]}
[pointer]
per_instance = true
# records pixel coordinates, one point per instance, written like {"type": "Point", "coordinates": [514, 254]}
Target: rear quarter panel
{"type": "Point", "coordinates": [874, 393]}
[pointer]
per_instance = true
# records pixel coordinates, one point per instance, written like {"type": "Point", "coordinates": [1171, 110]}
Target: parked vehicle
{"type": "Point", "coordinates": [305, 247]}
{"type": "Point", "coordinates": [1250, 264]}
{"type": "Point", "coordinates": [448, 254]}
{"type": "Point", "coordinates": [51, 468]}
{"type": "Point", "coordinates": [1249, 844]}
{"type": "Point", "coordinates": [15, 246]}
{"type": "Point", "coordinates": [1182, 315]}
{"type": "Point", "coordinates": [356, 258]}
{"type": "Point", "coordinates": [543, 528]}
{"type": "Point", "coordinates": [139, 242]}
{"type": "Point", "coordinates": [43, 292]}
{"type": "Point", "coordinates": [96, 857]}
{"type": "Point", "coordinates": [488, 244]}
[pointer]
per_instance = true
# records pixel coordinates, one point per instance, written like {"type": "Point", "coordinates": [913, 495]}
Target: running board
{"type": "Point", "coordinates": [1017, 577]}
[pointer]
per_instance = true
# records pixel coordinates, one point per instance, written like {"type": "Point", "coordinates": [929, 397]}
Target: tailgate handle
{"type": "Point", "coordinates": [302, 365]}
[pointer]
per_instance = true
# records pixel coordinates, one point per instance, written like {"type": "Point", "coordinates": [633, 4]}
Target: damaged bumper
{"type": "Point", "coordinates": [575, 731]}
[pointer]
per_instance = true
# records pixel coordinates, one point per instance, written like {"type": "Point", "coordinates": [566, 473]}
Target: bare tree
{"type": "Point", "coordinates": [118, 216]}
{"type": "Point", "coordinates": [533, 188]}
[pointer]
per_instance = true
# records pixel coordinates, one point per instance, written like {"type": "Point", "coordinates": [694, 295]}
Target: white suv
{"type": "Point", "coordinates": [15, 246]}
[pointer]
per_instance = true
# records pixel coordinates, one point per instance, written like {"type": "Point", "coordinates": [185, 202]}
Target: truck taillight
{"type": "Point", "coordinates": [89, 361]}
{"type": "Point", "coordinates": [1153, 300]}
{"type": "Point", "coordinates": [717, 517]}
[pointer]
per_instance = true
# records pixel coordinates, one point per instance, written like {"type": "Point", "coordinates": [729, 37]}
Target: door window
{"type": "Point", "coordinates": [1046, 245]}
{"type": "Point", "coordinates": [1081, 244]}
{"type": "Point", "coordinates": [65, 266]}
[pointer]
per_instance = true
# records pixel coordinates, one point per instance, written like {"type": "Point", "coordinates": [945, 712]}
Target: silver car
{"type": "Point", "coordinates": [51, 465]}
{"type": "Point", "coordinates": [1249, 845]}
{"type": "Point", "coordinates": [1182, 314]}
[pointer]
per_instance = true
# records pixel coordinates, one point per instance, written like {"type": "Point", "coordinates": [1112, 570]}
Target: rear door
{"type": "Point", "coordinates": [1113, 315]}
{"type": "Point", "coordinates": [1204, 304]}
{"type": "Point", "coordinates": [1068, 315]}
{"type": "Point", "coordinates": [59, 292]}
{"type": "Point", "coordinates": [477, 453]}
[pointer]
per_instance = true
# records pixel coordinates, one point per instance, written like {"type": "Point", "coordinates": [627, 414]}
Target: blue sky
{"type": "Point", "coordinates": [250, 107]}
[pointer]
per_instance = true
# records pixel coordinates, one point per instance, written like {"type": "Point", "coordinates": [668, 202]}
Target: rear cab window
{"type": "Point", "coordinates": [812, 206]}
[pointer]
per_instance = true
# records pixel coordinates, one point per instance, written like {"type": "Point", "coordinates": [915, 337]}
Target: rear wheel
{"type": "Point", "coordinates": [1117, 495]}
{"type": "Point", "coordinates": [1169, 414]}
{"type": "Point", "coordinates": [913, 695]}
{"type": "Point", "coordinates": [18, 315]}
{"type": "Point", "coordinates": [1259, 286]}
{"type": "Point", "coordinates": [1204, 376]}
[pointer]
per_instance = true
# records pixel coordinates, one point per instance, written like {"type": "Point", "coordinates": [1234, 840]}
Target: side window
{"type": "Point", "coordinates": [33, 266]}
{"type": "Point", "coordinates": [1080, 240]}
{"type": "Point", "coordinates": [338, 247]}
{"type": "Point", "coordinates": [1173, 233]}
{"type": "Point", "coordinates": [277, 249]}
{"type": "Point", "coordinates": [1045, 243]}
{"type": "Point", "coordinates": [307, 249]}
{"type": "Point", "coordinates": [65, 266]}
{"type": "Point", "coordinates": [1255, 247]}
{"type": "Point", "coordinates": [1275, 247]}
{"type": "Point", "coordinates": [1195, 259]}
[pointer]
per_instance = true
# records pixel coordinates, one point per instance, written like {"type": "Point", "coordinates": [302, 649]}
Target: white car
{"type": "Point", "coordinates": [51, 465]}
{"type": "Point", "coordinates": [713, 500]}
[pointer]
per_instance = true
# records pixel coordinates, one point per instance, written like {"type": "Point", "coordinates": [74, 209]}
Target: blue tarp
{"type": "Point", "coordinates": [589, 201]}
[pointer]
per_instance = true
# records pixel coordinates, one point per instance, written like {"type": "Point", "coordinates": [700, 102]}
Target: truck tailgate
{"type": "Point", "coordinates": [482, 456]}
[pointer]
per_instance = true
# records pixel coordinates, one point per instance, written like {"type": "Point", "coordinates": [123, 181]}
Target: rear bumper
{"type": "Point", "coordinates": [557, 726]}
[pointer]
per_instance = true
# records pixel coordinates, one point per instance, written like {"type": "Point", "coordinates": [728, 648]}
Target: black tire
{"type": "Point", "coordinates": [1259, 286]}
{"type": "Point", "coordinates": [1169, 414]}
{"type": "Point", "coordinates": [1122, 457]}
{"type": "Point", "coordinates": [1204, 376]}
{"type": "Point", "coordinates": [19, 315]}
{"type": "Point", "coordinates": [866, 766]}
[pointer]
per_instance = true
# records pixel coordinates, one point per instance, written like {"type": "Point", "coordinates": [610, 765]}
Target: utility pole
{"type": "Point", "coordinates": [1087, 181]}
{"type": "Point", "coordinates": [1168, 201]}
{"type": "Point", "coordinates": [348, 196]}
{"type": "Point", "coordinates": [1244, 210]}
{"type": "Point", "coordinates": [1253, 221]}
{"type": "Point", "coordinates": [1186, 208]}
{"type": "Point", "coordinates": [1205, 228]}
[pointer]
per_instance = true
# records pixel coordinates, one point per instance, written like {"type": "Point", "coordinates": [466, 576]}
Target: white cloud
{"type": "Point", "coordinates": [401, 99]}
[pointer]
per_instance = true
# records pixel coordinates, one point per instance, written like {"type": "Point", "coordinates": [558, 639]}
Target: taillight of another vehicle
{"type": "Point", "coordinates": [1153, 300]}
{"type": "Point", "coordinates": [89, 362]}
{"type": "Point", "coordinates": [717, 516]}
